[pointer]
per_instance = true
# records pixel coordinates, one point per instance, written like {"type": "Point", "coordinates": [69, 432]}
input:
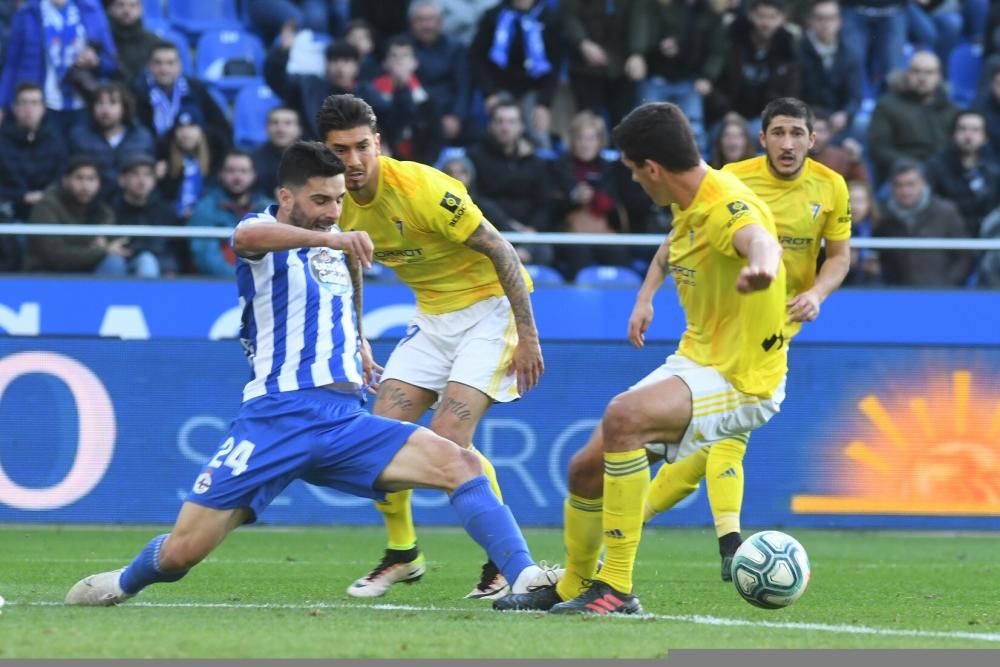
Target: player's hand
{"type": "Point", "coordinates": [358, 244]}
{"type": "Point", "coordinates": [371, 371]}
{"type": "Point", "coordinates": [804, 307]}
{"type": "Point", "coordinates": [527, 363]}
{"type": "Point", "coordinates": [754, 279]}
{"type": "Point", "coordinates": [639, 321]}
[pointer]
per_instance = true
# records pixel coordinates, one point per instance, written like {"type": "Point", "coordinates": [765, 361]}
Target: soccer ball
{"type": "Point", "coordinates": [771, 570]}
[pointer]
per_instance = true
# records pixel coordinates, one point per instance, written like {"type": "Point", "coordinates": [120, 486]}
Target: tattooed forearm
{"type": "Point", "coordinates": [457, 408]}
{"type": "Point", "coordinates": [391, 400]}
{"type": "Point", "coordinates": [488, 241]}
{"type": "Point", "coordinates": [357, 282]}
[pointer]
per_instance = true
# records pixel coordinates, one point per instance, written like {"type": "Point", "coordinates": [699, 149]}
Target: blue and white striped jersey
{"type": "Point", "coordinates": [298, 328]}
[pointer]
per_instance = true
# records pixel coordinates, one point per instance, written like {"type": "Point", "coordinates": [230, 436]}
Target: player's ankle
{"type": "Point", "coordinates": [729, 543]}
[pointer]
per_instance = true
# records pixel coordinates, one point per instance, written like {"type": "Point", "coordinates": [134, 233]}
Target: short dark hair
{"type": "Point", "coordinates": [398, 40]}
{"type": "Point", "coordinates": [163, 45]}
{"type": "Point", "coordinates": [777, 4]}
{"type": "Point", "coordinates": [344, 112]}
{"type": "Point", "coordinates": [660, 132]}
{"type": "Point", "coordinates": [505, 101]}
{"type": "Point", "coordinates": [341, 50]}
{"type": "Point", "coordinates": [236, 152]}
{"type": "Point", "coordinates": [282, 107]}
{"type": "Point", "coordinates": [307, 159]}
{"type": "Point", "coordinates": [905, 164]}
{"type": "Point", "coordinates": [79, 161]}
{"type": "Point", "coordinates": [787, 106]}
{"type": "Point", "coordinates": [25, 86]}
{"type": "Point", "coordinates": [962, 114]}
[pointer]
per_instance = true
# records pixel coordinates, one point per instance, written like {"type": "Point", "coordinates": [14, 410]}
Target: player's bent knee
{"type": "Point", "coordinates": [586, 474]}
{"type": "Point", "coordinates": [465, 465]}
{"type": "Point", "coordinates": [620, 418]}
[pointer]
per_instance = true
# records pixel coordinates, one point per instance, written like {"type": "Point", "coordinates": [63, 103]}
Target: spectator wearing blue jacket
{"type": "Point", "coordinates": [442, 67]}
{"type": "Point", "coordinates": [165, 94]}
{"type": "Point", "coordinates": [224, 206]}
{"type": "Point", "coordinates": [65, 46]}
{"type": "Point", "coordinates": [110, 134]}
{"type": "Point", "coordinates": [832, 76]}
{"type": "Point", "coordinates": [32, 154]}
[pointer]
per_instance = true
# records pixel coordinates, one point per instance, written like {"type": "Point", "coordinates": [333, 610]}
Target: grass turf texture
{"type": "Point", "coordinates": [279, 593]}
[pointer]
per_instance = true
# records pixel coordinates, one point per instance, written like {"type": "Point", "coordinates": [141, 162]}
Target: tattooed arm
{"type": "Point", "coordinates": [371, 371]}
{"type": "Point", "coordinates": [642, 312]}
{"type": "Point", "coordinates": [527, 361]}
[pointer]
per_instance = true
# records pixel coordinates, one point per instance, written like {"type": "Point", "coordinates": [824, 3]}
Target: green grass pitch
{"type": "Point", "coordinates": [279, 593]}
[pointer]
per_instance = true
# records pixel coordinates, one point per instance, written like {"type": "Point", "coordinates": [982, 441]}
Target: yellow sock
{"type": "Point", "coordinates": [674, 482]}
{"type": "Point", "coordinates": [398, 519]}
{"type": "Point", "coordinates": [724, 479]}
{"type": "Point", "coordinates": [626, 481]}
{"type": "Point", "coordinates": [489, 471]}
{"type": "Point", "coordinates": [583, 521]}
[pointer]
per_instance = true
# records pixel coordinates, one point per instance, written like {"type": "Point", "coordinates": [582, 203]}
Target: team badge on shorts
{"type": "Point", "coordinates": [330, 270]}
{"type": "Point", "coordinates": [203, 483]}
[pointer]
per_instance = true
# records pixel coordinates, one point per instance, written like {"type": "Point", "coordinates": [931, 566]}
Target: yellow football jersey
{"type": "Point", "coordinates": [740, 335]}
{"type": "Point", "coordinates": [419, 222]}
{"type": "Point", "coordinates": [811, 207]}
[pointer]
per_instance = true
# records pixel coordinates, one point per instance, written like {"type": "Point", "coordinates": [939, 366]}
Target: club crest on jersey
{"type": "Point", "coordinates": [330, 270]}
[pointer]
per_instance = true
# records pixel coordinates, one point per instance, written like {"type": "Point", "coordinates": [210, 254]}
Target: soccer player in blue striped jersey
{"type": "Point", "coordinates": [302, 417]}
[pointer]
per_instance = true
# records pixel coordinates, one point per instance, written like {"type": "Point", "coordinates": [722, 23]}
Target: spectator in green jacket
{"type": "Point", "coordinates": [73, 201]}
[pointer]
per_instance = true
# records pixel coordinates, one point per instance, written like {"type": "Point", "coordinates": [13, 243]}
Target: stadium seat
{"type": "Point", "coordinates": [544, 275]}
{"type": "Point", "coordinates": [220, 99]}
{"type": "Point", "coordinates": [152, 10]}
{"type": "Point", "coordinates": [229, 59]}
{"type": "Point", "coordinates": [250, 111]}
{"type": "Point", "coordinates": [194, 17]}
{"type": "Point", "coordinates": [964, 65]}
{"type": "Point", "coordinates": [596, 276]}
{"type": "Point", "coordinates": [163, 30]}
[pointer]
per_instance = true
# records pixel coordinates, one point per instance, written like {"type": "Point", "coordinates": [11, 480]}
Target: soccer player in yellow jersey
{"type": "Point", "coordinates": [726, 378]}
{"type": "Point", "coordinates": [810, 205]}
{"type": "Point", "coordinates": [473, 341]}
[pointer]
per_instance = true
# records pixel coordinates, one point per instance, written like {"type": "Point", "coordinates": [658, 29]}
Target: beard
{"type": "Point", "coordinates": [298, 218]}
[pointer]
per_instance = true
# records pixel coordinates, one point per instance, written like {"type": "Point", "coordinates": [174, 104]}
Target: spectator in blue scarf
{"type": "Point", "coordinates": [63, 46]}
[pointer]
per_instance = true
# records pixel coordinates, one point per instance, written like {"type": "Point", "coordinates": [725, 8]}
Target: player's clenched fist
{"type": "Point", "coordinates": [754, 279]}
{"type": "Point", "coordinates": [358, 244]}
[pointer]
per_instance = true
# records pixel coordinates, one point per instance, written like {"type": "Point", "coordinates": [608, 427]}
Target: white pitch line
{"type": "Point", "coordinates": [696, 619]}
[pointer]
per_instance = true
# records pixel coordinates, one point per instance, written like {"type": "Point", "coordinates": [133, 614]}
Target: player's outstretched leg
{"type": "Point", "coordinates": [428, 460]}
{"type": "Point", "coordinates": [402, 561]}
{"type": "Point", "coordinates": [165, 558]}
{"type": "Point", "coordinates": [656, 412]}
{"type": "Point", "coordinates": [582, 532]}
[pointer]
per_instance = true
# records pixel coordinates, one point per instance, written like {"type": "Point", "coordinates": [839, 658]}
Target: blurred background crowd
{"type": "Point", "coordinates": [176, 113]}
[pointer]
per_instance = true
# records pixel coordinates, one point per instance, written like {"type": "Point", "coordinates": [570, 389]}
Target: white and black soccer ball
{"type": "Point", "coordinates": [771, 570]}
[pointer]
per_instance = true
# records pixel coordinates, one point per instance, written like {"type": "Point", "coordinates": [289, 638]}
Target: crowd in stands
{"type": "Point", "coordinates": [176, 113]}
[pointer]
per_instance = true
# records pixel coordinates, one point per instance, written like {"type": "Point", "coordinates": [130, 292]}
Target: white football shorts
{"type": "Point", "coordinates": [473, 346]}
{"type": "Point", "coordinates": [719, 410]}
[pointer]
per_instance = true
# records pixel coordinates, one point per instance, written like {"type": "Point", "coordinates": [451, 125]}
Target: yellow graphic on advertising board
{"type": "Point", "coordinates": [934, 452]}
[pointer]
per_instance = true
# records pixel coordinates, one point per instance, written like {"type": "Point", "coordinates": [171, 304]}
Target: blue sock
{"type": "Point", "coordinates": [492, 526]}
{"type": "Point", "coordinates": [145, 569]}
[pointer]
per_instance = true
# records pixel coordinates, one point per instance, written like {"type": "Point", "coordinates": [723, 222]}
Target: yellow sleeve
{"type": "Point", "coordinates": [446, 207]}
{"type": "Point", "coordinates": [727, 218]}
{"type": "Point", "coordinates": [838, 223]}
